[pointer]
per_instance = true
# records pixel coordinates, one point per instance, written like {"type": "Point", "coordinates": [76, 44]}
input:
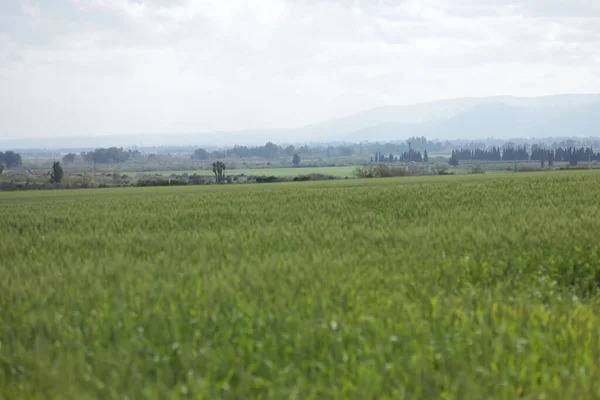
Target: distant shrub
{"type": "Point", "coordinates": [198, 180]}
{"type": "Point", "coordinates": [475, 169]}
{"type": "Point", "coordinates": [414, 170]}
{"type": "Point", "coordinates": [367, 171]}
{"type": "Point", "coordinates": [398, 171]}
{"type": "Point", "coordinates": [267, 179]}
{"type": "Point", "coordinates": [12, 186]}
{"type": "Point", "coordinates": [442, 169]}
{"type": "Point", "coordinates": [384, 171]}
{"type": "Point", "coordinates": [7, 186]}
{"type": "Point", "coordinates": [151, 182]}
{"type": "Point", "coordinates": [302, 178]}
{"type": "Point", "coordinates": [528, 168]}
{"type": "Point", "coordinates": [161, 182]}
{"type": "Point", "coordinates": [321, 177]}
{"type": "Point", "coordinates": [313, 177]}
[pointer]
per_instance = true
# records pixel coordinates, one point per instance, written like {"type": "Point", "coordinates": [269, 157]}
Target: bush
{"type": "Point", "coordinates": [161, 182]}
{"type": "Point", "coordinates": [302, 178]}
{"type": "Point", "coordinates": [153, 182]}
{"type": "Point", "coordinates": [267, 179]}
{"type": "Point", "coordinates": [199, 180]}
{"type": "Point", "coordinates": [528, 168]}
{"type": "Point", "coordinates": [384, 171]}
{"type": "Point", "coordinates": [313, 177]}
{"type": "Point", "coordinates": [476, 169]}
{"type": "Point", "coordinates": [398, 171]}
{"type": "Point", "coordinates": [414, 170]}
{"type": "Point", "coordinates": [442, 169]}
{"type": "Point", "coordinates": [367, 171]}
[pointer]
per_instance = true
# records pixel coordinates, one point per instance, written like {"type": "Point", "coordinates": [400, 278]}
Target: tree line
{"type": "Point", "coordinates": [10, 159]}
{"type": "Point", "coordinates": [272, 151]}
{"type": "Point", "coordinates": [410, 155]}
{"type": "Point", "coordinates": [110, 155]}
{"type": "Point", "coordinates": [491, 154]}
{"type": "Point", "coordinates": [401, 150]}
{"type": "Point", "coordinates": [572, 155]}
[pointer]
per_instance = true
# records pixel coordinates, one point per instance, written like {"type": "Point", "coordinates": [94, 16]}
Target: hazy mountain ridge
{"type": "Point", "coordinates": [502, 117]}
{"type": "Point", "coordinates": [463, 118]}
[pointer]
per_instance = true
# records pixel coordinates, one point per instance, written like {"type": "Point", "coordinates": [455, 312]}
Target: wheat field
{"type": "Point", "coordinates": [428, 287]}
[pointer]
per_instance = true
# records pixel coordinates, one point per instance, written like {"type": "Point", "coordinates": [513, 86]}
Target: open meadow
{"type": "Point", "coordinates": [473, 286]}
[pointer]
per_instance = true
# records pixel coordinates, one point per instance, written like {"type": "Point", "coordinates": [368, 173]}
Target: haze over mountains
{"type": "Point", "coordinates": [474, 118]}
{"type": "Point", "coordinates": [464, 118]}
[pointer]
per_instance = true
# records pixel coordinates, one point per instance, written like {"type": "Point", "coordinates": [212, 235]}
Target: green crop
{"type": "Point", "coordinates": [434, 287]}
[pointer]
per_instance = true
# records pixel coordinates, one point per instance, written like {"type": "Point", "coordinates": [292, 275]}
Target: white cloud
{"type": "Point", "coordinates": [109, 66]}
{"type": "Point", "coordinates": [30, 8]}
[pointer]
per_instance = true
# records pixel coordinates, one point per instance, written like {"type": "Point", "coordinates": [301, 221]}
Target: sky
{"type": "Point", "coordinates": [104, 67]}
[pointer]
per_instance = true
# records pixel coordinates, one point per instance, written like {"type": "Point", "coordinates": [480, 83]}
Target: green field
{"type": "Point", "coordinates": [330, 171]}
{"type": "Point", "coordinates": [475, 286]}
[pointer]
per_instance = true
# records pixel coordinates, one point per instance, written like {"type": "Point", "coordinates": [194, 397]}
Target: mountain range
{"type": "Point", "coordinates": [503, 117]}
{"type": "Point", "coordinates": [473, 118]}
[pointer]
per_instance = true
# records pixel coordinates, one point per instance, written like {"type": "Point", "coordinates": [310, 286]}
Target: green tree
{"type": "Point", "coordinates": [290, 150]}
{"type": "Point", "coordinates": [57, 173]}
{"type": "Point", "coordinates": [1, 168]}
{"type": "Point", "coordinates": [296, 160]}
{"type": "Point", "coordinates": [200, 154]}
{"type": "Point", "coordinates": [10, 159]}
{"type": "Point", "coordinates": [69, 158]}
{"type": "Point", "coordinates": [111, 155]}
{"type": "Point", "coordinates": [543, 159]}
{"type": "Point", "coordinates": [425, 156]}
{"type": "Point", "coordinates": [453, 161]}
{"type": "Point", "coordinates": [218, 169]}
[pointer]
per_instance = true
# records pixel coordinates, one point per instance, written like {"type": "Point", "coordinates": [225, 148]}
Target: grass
{"type": "Point", "coordinates": [475, 286]}
{"type": "Point", "coordinates": [333, 171]}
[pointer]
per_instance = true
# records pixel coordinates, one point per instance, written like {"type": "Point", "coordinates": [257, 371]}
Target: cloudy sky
{"type": "Point", "coordinates": [94, 67]}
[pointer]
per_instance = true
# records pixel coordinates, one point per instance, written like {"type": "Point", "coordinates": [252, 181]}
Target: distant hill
{"type": "Point", "coordinates": [500, 117]}
{"type": "Point", "coordinates": [464, 118]}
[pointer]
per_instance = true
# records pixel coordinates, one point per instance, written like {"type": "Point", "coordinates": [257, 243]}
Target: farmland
{"type": "Point", "coordinates": [473, 286]}
{"type": "Point", "coordinates": [279, 172]}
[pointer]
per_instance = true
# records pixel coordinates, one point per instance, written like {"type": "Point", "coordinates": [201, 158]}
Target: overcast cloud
{"type": "Point", "coordinates": [91, 67]}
